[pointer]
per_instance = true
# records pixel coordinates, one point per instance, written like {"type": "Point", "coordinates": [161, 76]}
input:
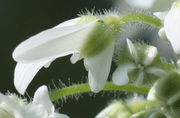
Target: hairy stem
{"type": "Point", "coordinates": [141, 18]}
{"type": "Point", "coordinates": [83, 88]}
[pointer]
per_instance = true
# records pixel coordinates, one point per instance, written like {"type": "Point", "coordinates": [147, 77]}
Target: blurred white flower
{"type": "Point", "coordinates": [92, 40]}
{"type": "Point", "coordinates": [152, 5]}
{"type": "Point", "coordinates": [41, 107]}
{"type": "Point", "coordinates": [171, 30]}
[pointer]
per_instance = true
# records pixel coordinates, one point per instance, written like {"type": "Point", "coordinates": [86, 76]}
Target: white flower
{"type": "Point", "coordinates": [92, 40]}
{"type": "Point", "coordinates": [136, 64]}
{"type": "Point", "coordinates": [41, 107]}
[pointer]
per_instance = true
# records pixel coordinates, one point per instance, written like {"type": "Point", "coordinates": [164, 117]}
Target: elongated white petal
{"type": "Point", "coordinates": [151, 53]}
{"type": "Point", "coordinates": [53, 43]}
{"type": "Point", "coordinates": [120, 75]}
{"type": "Point", "coordinates": [98, 68]}
{"type": "Point", "coordinates": [24, 73]}
{"type": "Point", "coordinates": [145, 4]}
{"type": "Point", "coordinates": [132, 49]}
{"type": "Point", "coordinates": [41, 97]}
{"type": "Point", "coordinates": [172, 26]}
{"type": "Point", "coordinates": [156, 71]}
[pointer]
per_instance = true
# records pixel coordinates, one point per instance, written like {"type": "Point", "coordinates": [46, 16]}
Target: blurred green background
{"type": "Point", "coordinates": [20, 19]}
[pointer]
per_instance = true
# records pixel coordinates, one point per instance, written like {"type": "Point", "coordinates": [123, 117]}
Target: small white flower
{"type": "Point", "coordinates": [41, 107]}
{"type": "Point", "coordinates": [138, 61]}
{"type": "Point", "coordinates": [92, 40]}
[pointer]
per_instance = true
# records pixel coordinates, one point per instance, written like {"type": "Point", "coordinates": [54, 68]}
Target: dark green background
{"type": "Point", "coordinates": [20, 19]}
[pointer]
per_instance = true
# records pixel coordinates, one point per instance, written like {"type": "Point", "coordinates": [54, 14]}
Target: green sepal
{"type": "Point", "coordinates": [98, 39]}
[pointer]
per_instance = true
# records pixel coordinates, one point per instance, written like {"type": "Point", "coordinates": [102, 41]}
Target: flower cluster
{"type": "Point", "coordinates": [97, 39]}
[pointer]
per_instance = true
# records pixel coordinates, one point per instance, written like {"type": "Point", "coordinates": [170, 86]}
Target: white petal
{"type": "Point", "coordinates": [156, 71]}
{"type": "Point", "coordinates": [132, 49]}
{"type": "Point", "coordinates": [145, 4]}
{"type": "Point", "coordinates": [37, 111]}
{"type": "Point", "coordinates": [57, 115]}
{"type": "Point", "coordinates": [68, 23]}
{"type": "Point", "coordinates": [152, 93]}
{"type": "Point", "coordinates": [172, 26]}
{"type": "Point", "coordinates": [53, 43]}
{"type": "Point", "coordinates": [98, 68]}
{"type": "Point", "coordinates": [24, 73]}
{"type": "Point", "coordinates": [41, 97]}
{"type": "Point", "coordinates": [75, 57]}
{"type": "Point", "coordinates": [120, 75]}
{"type": "Point", "coordinates": [140, 79]}
{"type": "Point", "coordinates": [162, 34]}
{"type": "Point", "coordinates": [151, 53]}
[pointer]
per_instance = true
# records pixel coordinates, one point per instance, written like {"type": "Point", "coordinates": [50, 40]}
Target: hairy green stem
{"type": "Point", "coordinates": [141, 18]}
{"type": "Point", "coordinates": [83, 88]}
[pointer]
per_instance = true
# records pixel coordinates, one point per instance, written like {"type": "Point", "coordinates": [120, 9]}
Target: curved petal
{"type": "Point", "coordinates": [41, 97]}
{"type": "Point", "coordinates": [145, 4]}
{"type": "Point", "coordinates": [24, 73]}
{"type": "Point", "coordinates": [172, 26]}
{"type": "Point", "coordinates": [151, 53]}
{"type": "Point", "coordinates": [98, 68]}
{"type": "Point", "coordinates": [132, 50]}
{"type": "Point", "coordinates": [152, 93]}
{"type": "Point", "coordinates": [156, 71]}
{"type": "Point", "coordinates": [140, 79]}
{"type": "Point", "coordinates": [53, 43]}
{"type": "Point", "coordinates": [120, 75]}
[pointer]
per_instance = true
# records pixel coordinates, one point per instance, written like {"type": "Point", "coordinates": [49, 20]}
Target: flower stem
{"type": "Point", "coordinates": [141, 18]}
{"type": "Point", "coordinates": [83, 88]}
